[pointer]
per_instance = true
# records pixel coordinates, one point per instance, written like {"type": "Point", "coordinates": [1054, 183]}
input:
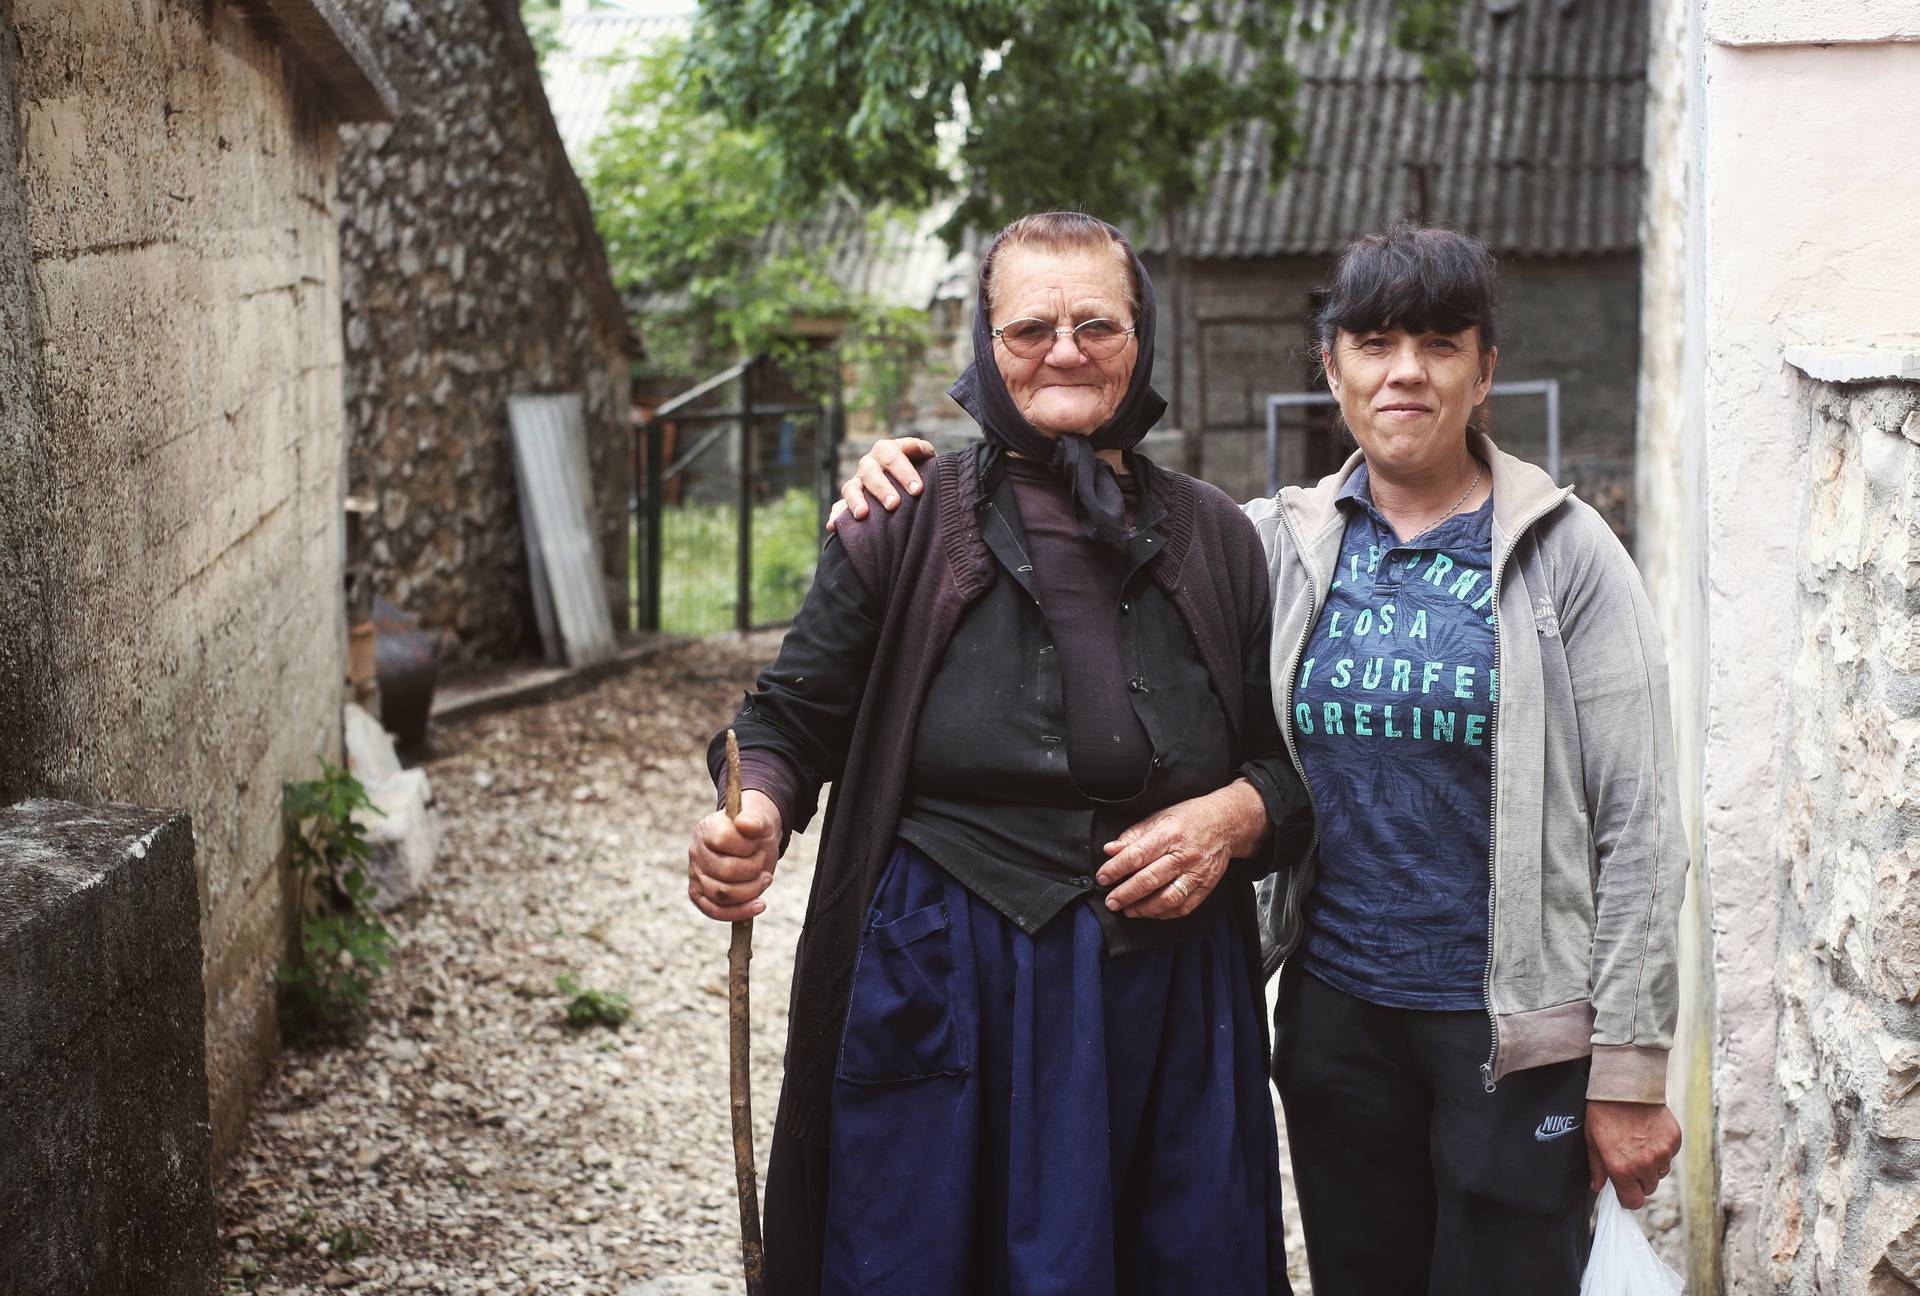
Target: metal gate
{"type": "Point", "coordinates": [734, 492]}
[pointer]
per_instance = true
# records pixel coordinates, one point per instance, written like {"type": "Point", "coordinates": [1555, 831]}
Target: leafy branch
{"type": "Point", "coordinates": [1108, 105]}
{"type": "Point", "coordinates": [688, 209]}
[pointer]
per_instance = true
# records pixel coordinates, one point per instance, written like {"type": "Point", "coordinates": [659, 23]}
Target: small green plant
{"type": "Point", "coordinates": [348, 1242]}
{"type": "Point", "coordinates": [587, 1007]}
{"type": "Point", "coordinates": [249, 1278]}
{"type": "Point", "coordinates": [343, 945]}
{"type": "Point", "coordinates": [299, 1237]}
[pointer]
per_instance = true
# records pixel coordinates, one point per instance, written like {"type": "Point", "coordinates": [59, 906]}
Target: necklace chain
{"type": "Point", "coordinates": [1451, 508]}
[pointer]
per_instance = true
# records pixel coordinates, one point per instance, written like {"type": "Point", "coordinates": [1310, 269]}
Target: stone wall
{"type": "Point", "coordinates": [1775, 210]}
{"type": "Point", "coordinates": [1574, 319]}
{"type": "Point", "coordinates": [1845, 1212]}
{"type": "Point", "coordinates": [925, 409]}
{"type": "Point", "coordinates": [471, 272]}
{"type": "Point", "coordinates": [171, 451]}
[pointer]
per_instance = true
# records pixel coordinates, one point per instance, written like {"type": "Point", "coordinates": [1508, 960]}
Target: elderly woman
{"type": "Point", "coordinates": [1479, 990]}
{"type": "Point", "coordinates": [1003, 1073]}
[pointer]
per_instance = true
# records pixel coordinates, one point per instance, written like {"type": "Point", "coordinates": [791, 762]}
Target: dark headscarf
{"type": "Point", "coordinates": [1097, 502]}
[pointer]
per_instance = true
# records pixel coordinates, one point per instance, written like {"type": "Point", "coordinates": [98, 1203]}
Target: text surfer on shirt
{"type": "Point", "coordinates": [995, 1065]}
{"type": "Point", "coordinates": [1581, 832]}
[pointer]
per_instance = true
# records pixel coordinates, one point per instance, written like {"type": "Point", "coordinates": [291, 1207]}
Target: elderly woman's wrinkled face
{"type": "Point", "coordinates": [1407, 396]}
{"type": "Point", "coordinates": [1064, 389]}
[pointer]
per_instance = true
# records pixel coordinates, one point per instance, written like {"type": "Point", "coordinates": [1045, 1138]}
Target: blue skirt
{"type": "Point", "coordinates": [1026, 1114]}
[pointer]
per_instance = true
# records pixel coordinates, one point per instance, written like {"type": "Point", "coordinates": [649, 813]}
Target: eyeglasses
{"type": "Point", "coordinates": [1098, 339]}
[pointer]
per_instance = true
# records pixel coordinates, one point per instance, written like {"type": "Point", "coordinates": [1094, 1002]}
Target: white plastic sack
{"type": "Point", "coordinates": [1623, 1262]}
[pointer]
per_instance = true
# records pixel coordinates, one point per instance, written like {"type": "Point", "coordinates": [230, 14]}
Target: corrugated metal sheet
{"type": "Point", "coordinates": [591, 67]}
{"type": "Point", "coordinates": [1540, 156]}
{"type": "Point", "coordinates": [556, 513]}
{"type": "Point", "coordinates": [901, 263]}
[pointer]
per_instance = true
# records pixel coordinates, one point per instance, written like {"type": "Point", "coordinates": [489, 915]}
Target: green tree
{"type": "Point", "coordinates": [1109, 104]}
{"type": "Point", "coordinates": [694, 219]}
{"type": "Point", "coordinates": [1011, 106]}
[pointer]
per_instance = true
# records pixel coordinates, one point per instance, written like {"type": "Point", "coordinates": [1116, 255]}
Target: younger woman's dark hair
{"type": "Point", "coordinates": [1415, 277]}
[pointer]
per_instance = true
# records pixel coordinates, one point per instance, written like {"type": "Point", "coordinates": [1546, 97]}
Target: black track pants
{"type": "Point", "coordinates": [1411, 1177]}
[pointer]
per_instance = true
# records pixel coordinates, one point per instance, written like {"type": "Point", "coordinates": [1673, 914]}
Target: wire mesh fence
{"type": "Point", "coordinates": [708, 457]}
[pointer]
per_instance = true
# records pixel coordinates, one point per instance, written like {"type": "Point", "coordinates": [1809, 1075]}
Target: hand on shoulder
{"type": "Point", "coordinates": [884, 472]}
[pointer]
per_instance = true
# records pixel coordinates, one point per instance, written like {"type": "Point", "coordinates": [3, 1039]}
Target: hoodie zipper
{"type": "Point", "coordinates": [1493, 792]}
{"type": "Point", "coordinates": [1293, 670]}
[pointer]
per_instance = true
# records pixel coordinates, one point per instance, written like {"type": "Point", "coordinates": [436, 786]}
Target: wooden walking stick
{"type": "Point", "coordinates": [739, 1039]}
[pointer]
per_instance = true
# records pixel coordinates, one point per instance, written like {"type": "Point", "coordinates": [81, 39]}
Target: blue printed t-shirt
{"type": "Point", "coordinates": [1393, 715]}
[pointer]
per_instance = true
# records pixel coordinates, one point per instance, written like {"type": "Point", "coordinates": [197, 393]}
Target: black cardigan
{"type": "Point", "coordinates": [925, 563]}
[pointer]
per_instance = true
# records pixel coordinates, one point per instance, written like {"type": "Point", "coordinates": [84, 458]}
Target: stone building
{"type": "Point", "coordinates": [171, 449]}
{"type": "Point", "coordinates": [471, 271]}
{"type": "Point", "coordinates": [1778, 528]}
{"type": "Point", "coordinates": [1540, 156]}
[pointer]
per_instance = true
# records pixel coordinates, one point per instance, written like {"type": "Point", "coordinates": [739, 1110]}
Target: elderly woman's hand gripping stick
{"type": "Point", "coordinates": [1169, 862]}
{"type": "Point", "coordinates": [732, 858]}
{"type": "Point", "coordinates": [731, 862]}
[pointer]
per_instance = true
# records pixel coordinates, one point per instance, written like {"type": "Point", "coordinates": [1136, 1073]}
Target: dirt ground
{"type": "Point", "coordinates": [471, 1142]}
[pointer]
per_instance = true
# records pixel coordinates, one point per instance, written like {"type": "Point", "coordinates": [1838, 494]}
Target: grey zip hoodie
{"type": "Point", "coordinates": [1588, 861]}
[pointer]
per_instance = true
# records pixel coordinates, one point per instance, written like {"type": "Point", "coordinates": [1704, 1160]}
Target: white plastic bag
{"type": "Point", "coordinates": [1623, 1262]}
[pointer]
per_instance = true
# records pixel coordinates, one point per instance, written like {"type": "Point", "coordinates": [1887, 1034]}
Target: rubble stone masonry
{"type": "Point", "coordinates": [1844, 1215]}
{"type": "Point", "coordinates": [472, 272]}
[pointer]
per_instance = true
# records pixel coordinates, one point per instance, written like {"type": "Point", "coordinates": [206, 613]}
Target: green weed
{"type": "Point", "coordinates": [348, 1242]}
{"type": "Point", "coordinates": [343, 945]}
{"type": "Point", "coordinates": [586, 1007]}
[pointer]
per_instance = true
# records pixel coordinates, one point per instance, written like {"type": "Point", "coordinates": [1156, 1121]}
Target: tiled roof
{"type": "Point", "coordinates": [1540, 156]}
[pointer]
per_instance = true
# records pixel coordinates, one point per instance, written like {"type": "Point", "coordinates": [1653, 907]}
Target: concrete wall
{"type": "Point", "coordinates": [1844, 1212]}
{"type": "Point", "coordinates": [106, 1185]}
{"type": "Point", "coordinates": [471, 272]}
{"type": "Point", "coordinates": [1669, 470]}
{"type": "Point", "coordinates": [1786, 228]}
{"type": "Point", "coordinates": [171, 451]}
{"type": "Point", "coordinates": [1573, 319]}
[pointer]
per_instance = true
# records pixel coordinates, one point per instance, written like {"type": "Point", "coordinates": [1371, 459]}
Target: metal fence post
{"type": "Point", "coordinates": [833, 429]}
{"type": "Point", "coordinates": [743, 588]}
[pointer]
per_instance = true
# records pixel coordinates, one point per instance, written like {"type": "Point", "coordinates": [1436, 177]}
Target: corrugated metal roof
{"type": "Point", "coordinates": [1540, 156]}
{"type": "Point", "coordinates": [903, 264]}
{"type": "Point", "coordinates": [589, 67]}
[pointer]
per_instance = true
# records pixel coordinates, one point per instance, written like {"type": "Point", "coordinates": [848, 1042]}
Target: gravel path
{"type": "Point", "coordinates": [471, 1142]}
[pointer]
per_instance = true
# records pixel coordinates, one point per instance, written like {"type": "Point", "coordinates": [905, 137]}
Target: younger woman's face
{"type": "Point", "coordinates": [1407, 396]}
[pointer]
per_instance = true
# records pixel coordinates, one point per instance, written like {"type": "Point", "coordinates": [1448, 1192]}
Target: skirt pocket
{"type": "Point", "coordinates": [900, 1019]}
